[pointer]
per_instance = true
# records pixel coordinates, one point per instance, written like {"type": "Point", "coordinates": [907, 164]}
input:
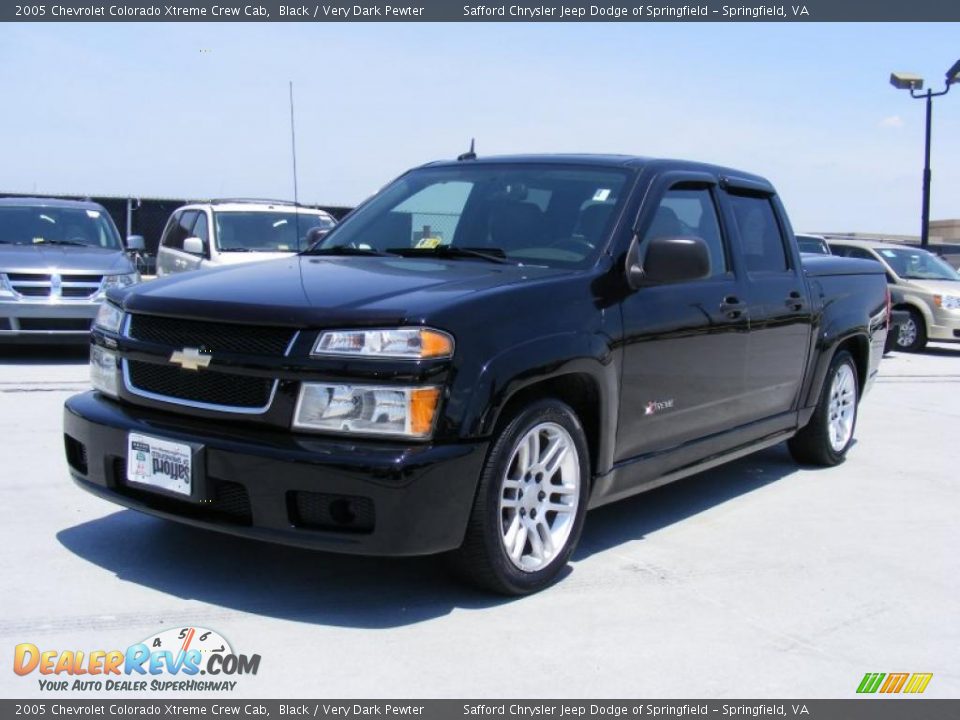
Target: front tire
{"type": "Point", "coordinates": [913, 333]}
{"type": "Point", "coordinates": [531, 502]}
{"type": "Point", "coordinates": [829, 434]}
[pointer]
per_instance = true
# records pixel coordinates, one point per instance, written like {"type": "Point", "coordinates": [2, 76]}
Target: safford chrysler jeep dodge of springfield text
{"type": "Point", "coordinates": [478, 354]}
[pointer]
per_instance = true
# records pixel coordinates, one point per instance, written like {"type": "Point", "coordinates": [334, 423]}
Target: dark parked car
{"type": "Point", "coordinates": [475, 356]}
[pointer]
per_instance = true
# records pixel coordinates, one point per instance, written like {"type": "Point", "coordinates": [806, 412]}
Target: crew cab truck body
{"type": "Point", "coordinates": [478, 354]}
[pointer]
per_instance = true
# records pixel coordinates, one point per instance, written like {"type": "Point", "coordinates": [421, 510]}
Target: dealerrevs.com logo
{"type": "Point", "coordinates": [179, 659]}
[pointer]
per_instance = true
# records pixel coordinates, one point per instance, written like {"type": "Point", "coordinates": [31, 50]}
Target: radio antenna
{"type": "Point", "coordinates": [470, 154]}
{"type": "Point", "coordinates": [293, 151]}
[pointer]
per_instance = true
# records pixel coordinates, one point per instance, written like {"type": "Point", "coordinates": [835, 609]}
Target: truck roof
{"type": "Point", "coordinates": [602, 160]}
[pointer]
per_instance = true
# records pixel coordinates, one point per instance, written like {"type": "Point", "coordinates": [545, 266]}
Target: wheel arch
{"type": "Point", "coordinates": [577, 369]}
{"type": "Point", "coordinates": [859, 348]}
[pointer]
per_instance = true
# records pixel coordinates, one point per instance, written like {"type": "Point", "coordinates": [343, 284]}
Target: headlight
{"type": "Point", "coordinates": [367, 409]}
{"type": "Point", "coordinates": [411, 343]}
{"type": "Point", "coordinates": [119, 281]}
{"type": "Point", "coordinates": [109, 318]}
{"type": "Point", "coordinates": [103, 370]}
{"type": "Point", "coordinates": [947, 302]}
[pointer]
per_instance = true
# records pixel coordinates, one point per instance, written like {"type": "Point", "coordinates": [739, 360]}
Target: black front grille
{"type": "Point", "coordinates": [27, 277]}
{"type": "Point", "coordinates": [323, 511]}
{"type": "Point", "coordinates": [230, 501]}
{"type": "Point", "coordinates": [212, 337]}
{"type": "Point", "coordinates": [200, 386]}
{"type": "Point", "coordinates": [76, 454]}
{"type": "Point", "coordinates": [77, 292]}
{"type": "Point", "coordinates": [32, 291]}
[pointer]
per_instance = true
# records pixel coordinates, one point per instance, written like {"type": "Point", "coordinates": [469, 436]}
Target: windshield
{"type": "Point", "coordinates": [252, 231]}
{"type": "Point", "coordinates": [26, 225]}
{"type": "Point", "coordinates": [813, 245]}
{"type": "Point", "coordinates": [916, 264]}
{"type": "Point", "coordinates": [538, 215]}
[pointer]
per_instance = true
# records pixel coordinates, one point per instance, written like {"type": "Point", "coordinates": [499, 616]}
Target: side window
{"type": "Point", "coordinates": [862, 254]}
{"type": "Point", "coordinates": [200, 229]}
{"type": "Point", "coordinates": [168, 240]}
{"type": "Point", "coordinates": [760, 238]}
{"type": "Point", "coordinates": [181, 230]}
{"type": "Point", "coordinates": [690, 212]}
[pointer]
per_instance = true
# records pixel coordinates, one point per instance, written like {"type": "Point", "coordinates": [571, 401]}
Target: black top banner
{"type": "Point", "coordinates": [450, 11]}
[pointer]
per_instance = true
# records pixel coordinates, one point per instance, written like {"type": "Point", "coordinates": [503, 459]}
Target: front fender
{"type": "Point", "coordinates": [545, 359]}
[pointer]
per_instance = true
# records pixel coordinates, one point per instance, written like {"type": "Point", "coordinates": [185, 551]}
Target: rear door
{"type": "Point", "coordinates": [685, 344]}
{"type": "Point", "coordinates": [777, 299]}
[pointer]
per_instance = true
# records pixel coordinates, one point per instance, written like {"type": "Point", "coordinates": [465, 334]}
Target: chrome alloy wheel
{"type": "Point", "coordinates": [539, 496]}
{"type": "Point", "coordinates": [842, 409]}
{"type": "Point", "coordinates": [908, 333]}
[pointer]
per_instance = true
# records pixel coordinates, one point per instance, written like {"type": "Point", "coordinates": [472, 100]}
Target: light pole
{"type": "Point", "coordinates": [914, 83]}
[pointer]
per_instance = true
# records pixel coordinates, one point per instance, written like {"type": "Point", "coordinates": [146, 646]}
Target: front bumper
{"type": "Point", "coordinates": [945, 326]}
{"type": "Point", "coordinates": [281, 486]}
{"type": "Point", "coordinates": [23, 321]}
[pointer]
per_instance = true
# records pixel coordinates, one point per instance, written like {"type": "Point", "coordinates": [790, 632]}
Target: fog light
{"type": "Point", "coordinates": [103, 370]}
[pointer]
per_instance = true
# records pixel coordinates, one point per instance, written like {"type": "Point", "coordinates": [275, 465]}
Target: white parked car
{"type": "Point", "coordinates": [225, 232]}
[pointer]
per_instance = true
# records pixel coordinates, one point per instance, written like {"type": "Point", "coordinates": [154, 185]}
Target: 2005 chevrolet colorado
{"type": "Point", "coordinates": [475, 356]}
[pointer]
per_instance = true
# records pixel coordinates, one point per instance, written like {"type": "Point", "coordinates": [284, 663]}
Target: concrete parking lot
{"type": "Point", "coordinates": [758, 579]}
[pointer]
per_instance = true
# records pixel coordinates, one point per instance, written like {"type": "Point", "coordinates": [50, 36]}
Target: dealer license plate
{"type": "Point", "coordinates": [159, 463]}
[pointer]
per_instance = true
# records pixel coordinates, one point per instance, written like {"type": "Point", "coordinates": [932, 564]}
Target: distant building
{"type": "Point", "coordinates": [942, 232]}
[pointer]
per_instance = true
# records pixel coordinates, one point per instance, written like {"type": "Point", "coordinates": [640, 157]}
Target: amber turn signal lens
{"type": "Point", "coordinates": [435, 344]}
{"type": "Point", "coordinates": [423, 407]}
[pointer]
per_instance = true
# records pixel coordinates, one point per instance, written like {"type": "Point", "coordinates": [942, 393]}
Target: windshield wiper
{"type": "Point", "coordinates": [494, 255]}
{"type": "Point", "coordinates": [346, 250]}
{"type": "Point", "coordinates": [235, 249]}
{"type": "Point", "coordinates": [73, 243]}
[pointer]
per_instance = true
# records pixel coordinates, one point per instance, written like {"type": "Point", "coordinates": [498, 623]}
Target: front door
{"type": "Point", "coordinates": [684, 344]}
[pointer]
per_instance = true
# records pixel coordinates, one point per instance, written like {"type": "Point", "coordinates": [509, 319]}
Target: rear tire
{"type": "Point", "coordinates": [829, 434]}
{"type": "Point", "coordinates": [913, 333]}
{"type": "Point", "coordinates": [531, 502]}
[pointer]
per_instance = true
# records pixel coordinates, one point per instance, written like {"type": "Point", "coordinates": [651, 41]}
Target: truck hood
{"type": "Point", "coordinates": [64, 259]}
{"type": "Point", "coordinates": [316, 291]}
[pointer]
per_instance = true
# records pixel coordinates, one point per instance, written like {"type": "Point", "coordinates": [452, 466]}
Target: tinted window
{"type": "Point", "coordinates": [760, 239]}
{"type": "Point", "coordinates": [25, 225]}
{"type": "Point", "coordinates": [181, 228]}
{"type": "Point", "coordinates": [690, 213]}
{"type": "Point", "coordinates": [200, 228]}
{"type": "Point", "coordinates": [553, 216]}
{"type": "Point", "coordinates": [263, 231]}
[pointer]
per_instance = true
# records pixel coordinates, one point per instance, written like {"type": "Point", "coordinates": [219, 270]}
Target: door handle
{"type": "Point", "coordinates": [795, 300]}
{"type": "Point", "coordinates": [733, 307]}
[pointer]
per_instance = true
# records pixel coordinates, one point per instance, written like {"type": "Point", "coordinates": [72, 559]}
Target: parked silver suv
{"type": "Point", "coordinates": [201, 236]}
{"type": "Point", "coordinates": [57, 260]}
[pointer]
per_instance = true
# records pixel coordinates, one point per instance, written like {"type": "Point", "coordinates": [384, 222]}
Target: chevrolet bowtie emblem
{"type": "Point", "coordinates": [190, 358]}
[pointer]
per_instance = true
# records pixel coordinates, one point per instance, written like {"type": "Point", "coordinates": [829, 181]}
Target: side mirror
{"type": "Point", "coordinates": [193, 245]}
{"type": "Point", "coordinates": [315, 235]}
{"type": "Point", "coordinates": [136, 243]}
{"type": "Point", "coordinates": [668, 260]}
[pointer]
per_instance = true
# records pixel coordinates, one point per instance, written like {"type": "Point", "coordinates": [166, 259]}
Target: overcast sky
{"type": "Point", "coordinates": [200, 110]}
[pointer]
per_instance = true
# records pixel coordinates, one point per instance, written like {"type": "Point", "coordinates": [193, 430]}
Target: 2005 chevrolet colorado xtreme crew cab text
{"type": "Point", "coordinates": [476, 355]}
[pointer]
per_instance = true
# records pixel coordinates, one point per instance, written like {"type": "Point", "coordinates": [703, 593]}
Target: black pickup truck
{"type": "Point", "coordinates": [478, 354]}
